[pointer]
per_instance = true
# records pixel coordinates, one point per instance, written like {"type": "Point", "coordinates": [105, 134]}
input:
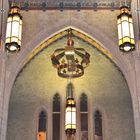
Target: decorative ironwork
{"type": "Point", "coordinates": [66, 4]}
{"type": "Point", "coordinates": [70, 61]}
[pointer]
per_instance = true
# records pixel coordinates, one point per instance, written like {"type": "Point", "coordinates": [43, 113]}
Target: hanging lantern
{"type": "Point", "coordinates": [125, 30]}
{"type": "Point", "coordinates": [70, 117]}
{"type": "Point", "coordinates": [70, 113]}
{"type": "Point", "coordinates": [14, 30]}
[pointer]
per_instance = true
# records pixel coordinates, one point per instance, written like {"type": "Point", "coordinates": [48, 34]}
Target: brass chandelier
{"type": "Point", "coordinates": [69, 61]}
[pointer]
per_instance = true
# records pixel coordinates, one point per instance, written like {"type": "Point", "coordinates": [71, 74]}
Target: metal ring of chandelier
{"type": "Point", "coordinates": [70, 61]}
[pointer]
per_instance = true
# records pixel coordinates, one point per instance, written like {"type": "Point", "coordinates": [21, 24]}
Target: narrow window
{"type": "Point", "coordinates": [42, 126]}
{"type": "Point", "coordinates": [84, 117]}
{"type": "Point", "coordinates": [56, 117]}
{"type": "Point", "coordinates": [98, 125]}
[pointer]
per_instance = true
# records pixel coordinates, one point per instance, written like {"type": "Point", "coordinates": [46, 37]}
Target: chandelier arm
{"type": "Point", "coordinates": [80, 49]}
{"type": "Point", "coordinates": [55, 61]}
{"type": "Point", "coordinates": [72, 75]}
{"type": "Point", "coordinates": [79, 54]}
{"type": "Point", "coordinates": [59, 56]}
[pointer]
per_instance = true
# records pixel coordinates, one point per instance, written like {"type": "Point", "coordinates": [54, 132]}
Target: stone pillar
{"type": "Point", "coordinates": [3, 123]}
{"type": "Point", "coordinates": [137, 78]}
{"type": "Point", "coordinates": [135, 9]}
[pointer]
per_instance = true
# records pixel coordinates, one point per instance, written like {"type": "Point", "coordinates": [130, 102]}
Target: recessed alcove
{"type": "Point", "coordinates": [102, 82]}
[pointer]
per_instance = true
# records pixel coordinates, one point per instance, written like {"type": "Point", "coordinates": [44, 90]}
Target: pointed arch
{"type": "Point", "coordinates": [56, 103]}
{"type": "Point", "coordinates": [42, 126]}
{"type": "Point", "coordinates": [42, 121]}
{"type": "Point", "coordinates": [98, 132]}
{"type": "Point", "coordinates": [83, 103]}
{"type": "Point", "coordinates": [63, 32]}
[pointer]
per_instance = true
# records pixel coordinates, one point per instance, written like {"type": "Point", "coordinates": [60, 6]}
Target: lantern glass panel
{"type": "Point", "coordinates": [68, 117]}
{"type": "Point", "coordinates": [15, 29]}
{"type": "Point", "coordinates": [119, 31]}
{"type": "Point", "coordinates": [124, 18]}
{"type": "Point", "coordinates": [8, 31]}
{"type": "Point", "coordinates": [125, 28]}
{"type": "Point", "coordinates": [9, 19]}
{"type": "Point", "coordinates": [131, 31]}
{"type": "Point", "coordinates": [74, 117]}
{"type": "Point", "coordinates": [130, 19]}
{"type": "Point", "coordinates": [16, 18]}
{"type": "Point", "coordinates": [7, 40]}
{"type": "Point", "coordinates": [119, 21]}
{"type": "Point", "coordinates": [20, 31]}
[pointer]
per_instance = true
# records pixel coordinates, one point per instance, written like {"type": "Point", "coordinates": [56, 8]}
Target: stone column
{"type": "Point", "coordinates": [135, 9]}
{"type": "Point", "coordinates": [3, 70]}
{"type": "Point", "coordinates": [137, 78]}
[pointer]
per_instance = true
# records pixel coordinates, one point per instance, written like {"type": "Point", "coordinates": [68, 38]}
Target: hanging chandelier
{"type": "Point", "coordinates": [125, 30]}
{"type": "Point", "coordinates": [70, 112]}
{"type": "Point", "coordinates": [70, 61]}
{"type": "Point", "coordinates": [14, 30]}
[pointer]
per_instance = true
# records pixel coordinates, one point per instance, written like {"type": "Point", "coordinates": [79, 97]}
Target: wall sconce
{"type": "Point", "coordinates": [14, 30]}
{"type": "Point", "coordinates": [125, 30]}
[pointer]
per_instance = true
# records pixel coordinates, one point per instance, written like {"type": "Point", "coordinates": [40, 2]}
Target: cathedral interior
{"type": "Point", "coordinates": [70, 70]}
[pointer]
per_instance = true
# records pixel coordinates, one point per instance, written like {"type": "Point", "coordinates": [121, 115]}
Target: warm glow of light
{"type": "Point", "coordinates": [14, 30]}
{"type": "Point", "coordinates": [13, 48]}
{"type": "Point", "coordinates": [119, 31]}
{"type": "Point", "coordinates": [69, 50]}
{"type": "Point", "coordinates": [70, 115]}
{"type": "Point", "coordinates": [125, 31]}
{"type": "Point", "coordinates": [8, 32]}
{"type": "Point", "coordinates": [127, 48]}
{"type": "Point", "coordinates": [124, 18]}
{"type": "Point", "coordinates": [41, 136]}
{"type": "Point", "coordinates": [131, 30]}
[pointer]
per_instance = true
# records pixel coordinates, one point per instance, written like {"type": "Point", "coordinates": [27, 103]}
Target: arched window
{"type": "Point", "coordinates": [84, 117]}
{"type": "Point", "coordinates": [98, 125]}
{"type": "Point", "coordinates": [42, 126]}
{"type": "Point", "coordinates": [56, 117]}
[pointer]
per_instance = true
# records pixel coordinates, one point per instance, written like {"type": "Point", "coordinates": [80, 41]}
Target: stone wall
{"type": "Point", "coordinates": [39, 25]}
